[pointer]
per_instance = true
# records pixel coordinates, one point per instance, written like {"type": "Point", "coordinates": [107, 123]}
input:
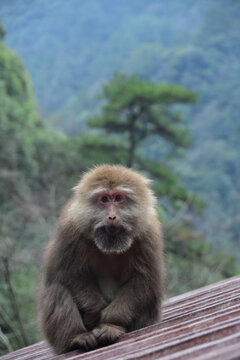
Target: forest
{"type": "Point", "coordinates": [146, 84]}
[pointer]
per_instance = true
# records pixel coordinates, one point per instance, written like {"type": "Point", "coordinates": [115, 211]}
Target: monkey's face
{"type": "Point", "coordinates": [113, 222]}
{"type": "Point", "coordinates": [113, 207]}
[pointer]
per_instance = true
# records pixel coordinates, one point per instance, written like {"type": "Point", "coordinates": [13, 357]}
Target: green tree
{"type": "Point", "coordinates": [37, 168]}
{"type": "Point", "coordinates": [136, 111]}
{"type": "Point", "coordinates": [2, 32]}
{"type": "Point", "coordinates": [133, 113]}
{"type": "Point", "coordinates": [18, 119]}
{"type": "Point", "coordinates": [18, 115]}
{"type": "Point", "coordinates": [140, 109]}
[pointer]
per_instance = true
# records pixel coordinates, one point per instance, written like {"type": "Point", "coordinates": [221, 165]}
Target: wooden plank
{"type": "Point", "coordinates": [201, 324]}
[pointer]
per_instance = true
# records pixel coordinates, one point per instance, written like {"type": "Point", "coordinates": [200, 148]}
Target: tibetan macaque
{"type": "Point", "coordinates": [104, 269]}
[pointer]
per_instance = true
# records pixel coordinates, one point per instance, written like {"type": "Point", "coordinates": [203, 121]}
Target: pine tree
{"type": "Point", "coordinates": [136, 110]}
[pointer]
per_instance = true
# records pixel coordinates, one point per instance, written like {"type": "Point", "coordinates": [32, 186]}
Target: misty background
{"type": "Point", "coordinates": [55, 57]}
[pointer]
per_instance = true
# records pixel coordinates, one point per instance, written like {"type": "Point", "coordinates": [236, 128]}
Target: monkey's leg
{"type": "Point", "coordinates": [61, 320]}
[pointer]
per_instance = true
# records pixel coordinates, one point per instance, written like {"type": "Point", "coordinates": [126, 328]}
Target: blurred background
{"type": "Point", "coordinates": [150, 84]}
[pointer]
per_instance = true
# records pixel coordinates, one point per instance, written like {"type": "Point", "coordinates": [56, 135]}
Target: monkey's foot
{"type": "Point", "coordinates": [85, 341]}
{"type": "Point", "coordinates": [107, 333]}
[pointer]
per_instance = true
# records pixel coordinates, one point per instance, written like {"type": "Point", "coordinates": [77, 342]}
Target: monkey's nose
{"type": "Point", "coordinates": [112, 219]}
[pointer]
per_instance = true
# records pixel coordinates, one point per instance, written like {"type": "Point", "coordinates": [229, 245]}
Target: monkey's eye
{"type": "Point", "coordinates": [118, 198]}
{"type": "Point", "coordinates": [104, 199]}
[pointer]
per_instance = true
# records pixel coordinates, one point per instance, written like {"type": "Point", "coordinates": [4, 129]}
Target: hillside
{"type": "Point", "coordinates": [71, 48]}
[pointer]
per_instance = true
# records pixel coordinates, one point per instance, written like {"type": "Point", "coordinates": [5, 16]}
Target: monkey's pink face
{"type": "Point", "coordinates": [113, 223]}
{"type": "Point", "coordinates": [111, 202]}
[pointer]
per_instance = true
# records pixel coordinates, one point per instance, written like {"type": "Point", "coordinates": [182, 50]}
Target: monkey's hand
{"type": "Point", "coordinates": [86, 341]}
{"type": "Point", "coordinates": [106, 334]}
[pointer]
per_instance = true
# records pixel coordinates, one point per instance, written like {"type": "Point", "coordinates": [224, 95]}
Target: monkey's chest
{"type": "Point", "coordinates": [108, 286]}
{"type": "Point", "coordinates": [111, 273]}
{"type": "Point", "coordinates": [110, 279]}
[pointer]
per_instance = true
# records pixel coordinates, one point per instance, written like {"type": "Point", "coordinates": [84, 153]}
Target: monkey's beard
{"type": "Point", "coordinates": [112, 240]}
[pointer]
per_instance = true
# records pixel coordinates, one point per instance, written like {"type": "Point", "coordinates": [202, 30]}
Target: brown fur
{"type": "Point", "coordinates": [95, 288]}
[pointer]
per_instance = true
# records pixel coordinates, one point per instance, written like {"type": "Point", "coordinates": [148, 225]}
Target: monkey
{"type": "Point", "coordinates": [103, 270]}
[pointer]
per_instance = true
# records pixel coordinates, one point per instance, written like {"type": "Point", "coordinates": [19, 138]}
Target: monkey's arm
{"type": "Point", "coordinates": [90, 302]}
{"type": "Point", "coordinates": [60, 318]}
{"type": "Point", "coordinates": [136, 305]}
{"type": "Point", "coordinates": [131, 300]}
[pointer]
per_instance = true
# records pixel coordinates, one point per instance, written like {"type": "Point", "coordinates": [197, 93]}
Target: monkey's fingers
{"type": "Point", "coordinates": [86, 341]}
{"type": "Point", "coordinates": [108, 333]}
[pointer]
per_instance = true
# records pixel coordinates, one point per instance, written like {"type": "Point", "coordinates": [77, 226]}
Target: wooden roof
{"type": "Point", "coordinates": [202, 324]}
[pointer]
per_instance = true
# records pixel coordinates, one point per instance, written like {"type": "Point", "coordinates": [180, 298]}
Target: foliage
{"type": "Point", "coordinates": [2, 32]}
{"type": "Point", "coordinates": [141, 109]}
{"type": "Point", "coordinates": [17, 115]}
{"type": "Point", "coordinates": [136, 110]}
{"type": "Point", "coordinates": [37, 168]}
{"type": "Point", "coordinates": [185, 250]}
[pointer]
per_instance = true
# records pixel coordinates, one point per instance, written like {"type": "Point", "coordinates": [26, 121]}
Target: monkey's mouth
{"type": "Point", "coordinates": [113, 230]}
{"type": "Point", "coordinates": [112, 239]}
